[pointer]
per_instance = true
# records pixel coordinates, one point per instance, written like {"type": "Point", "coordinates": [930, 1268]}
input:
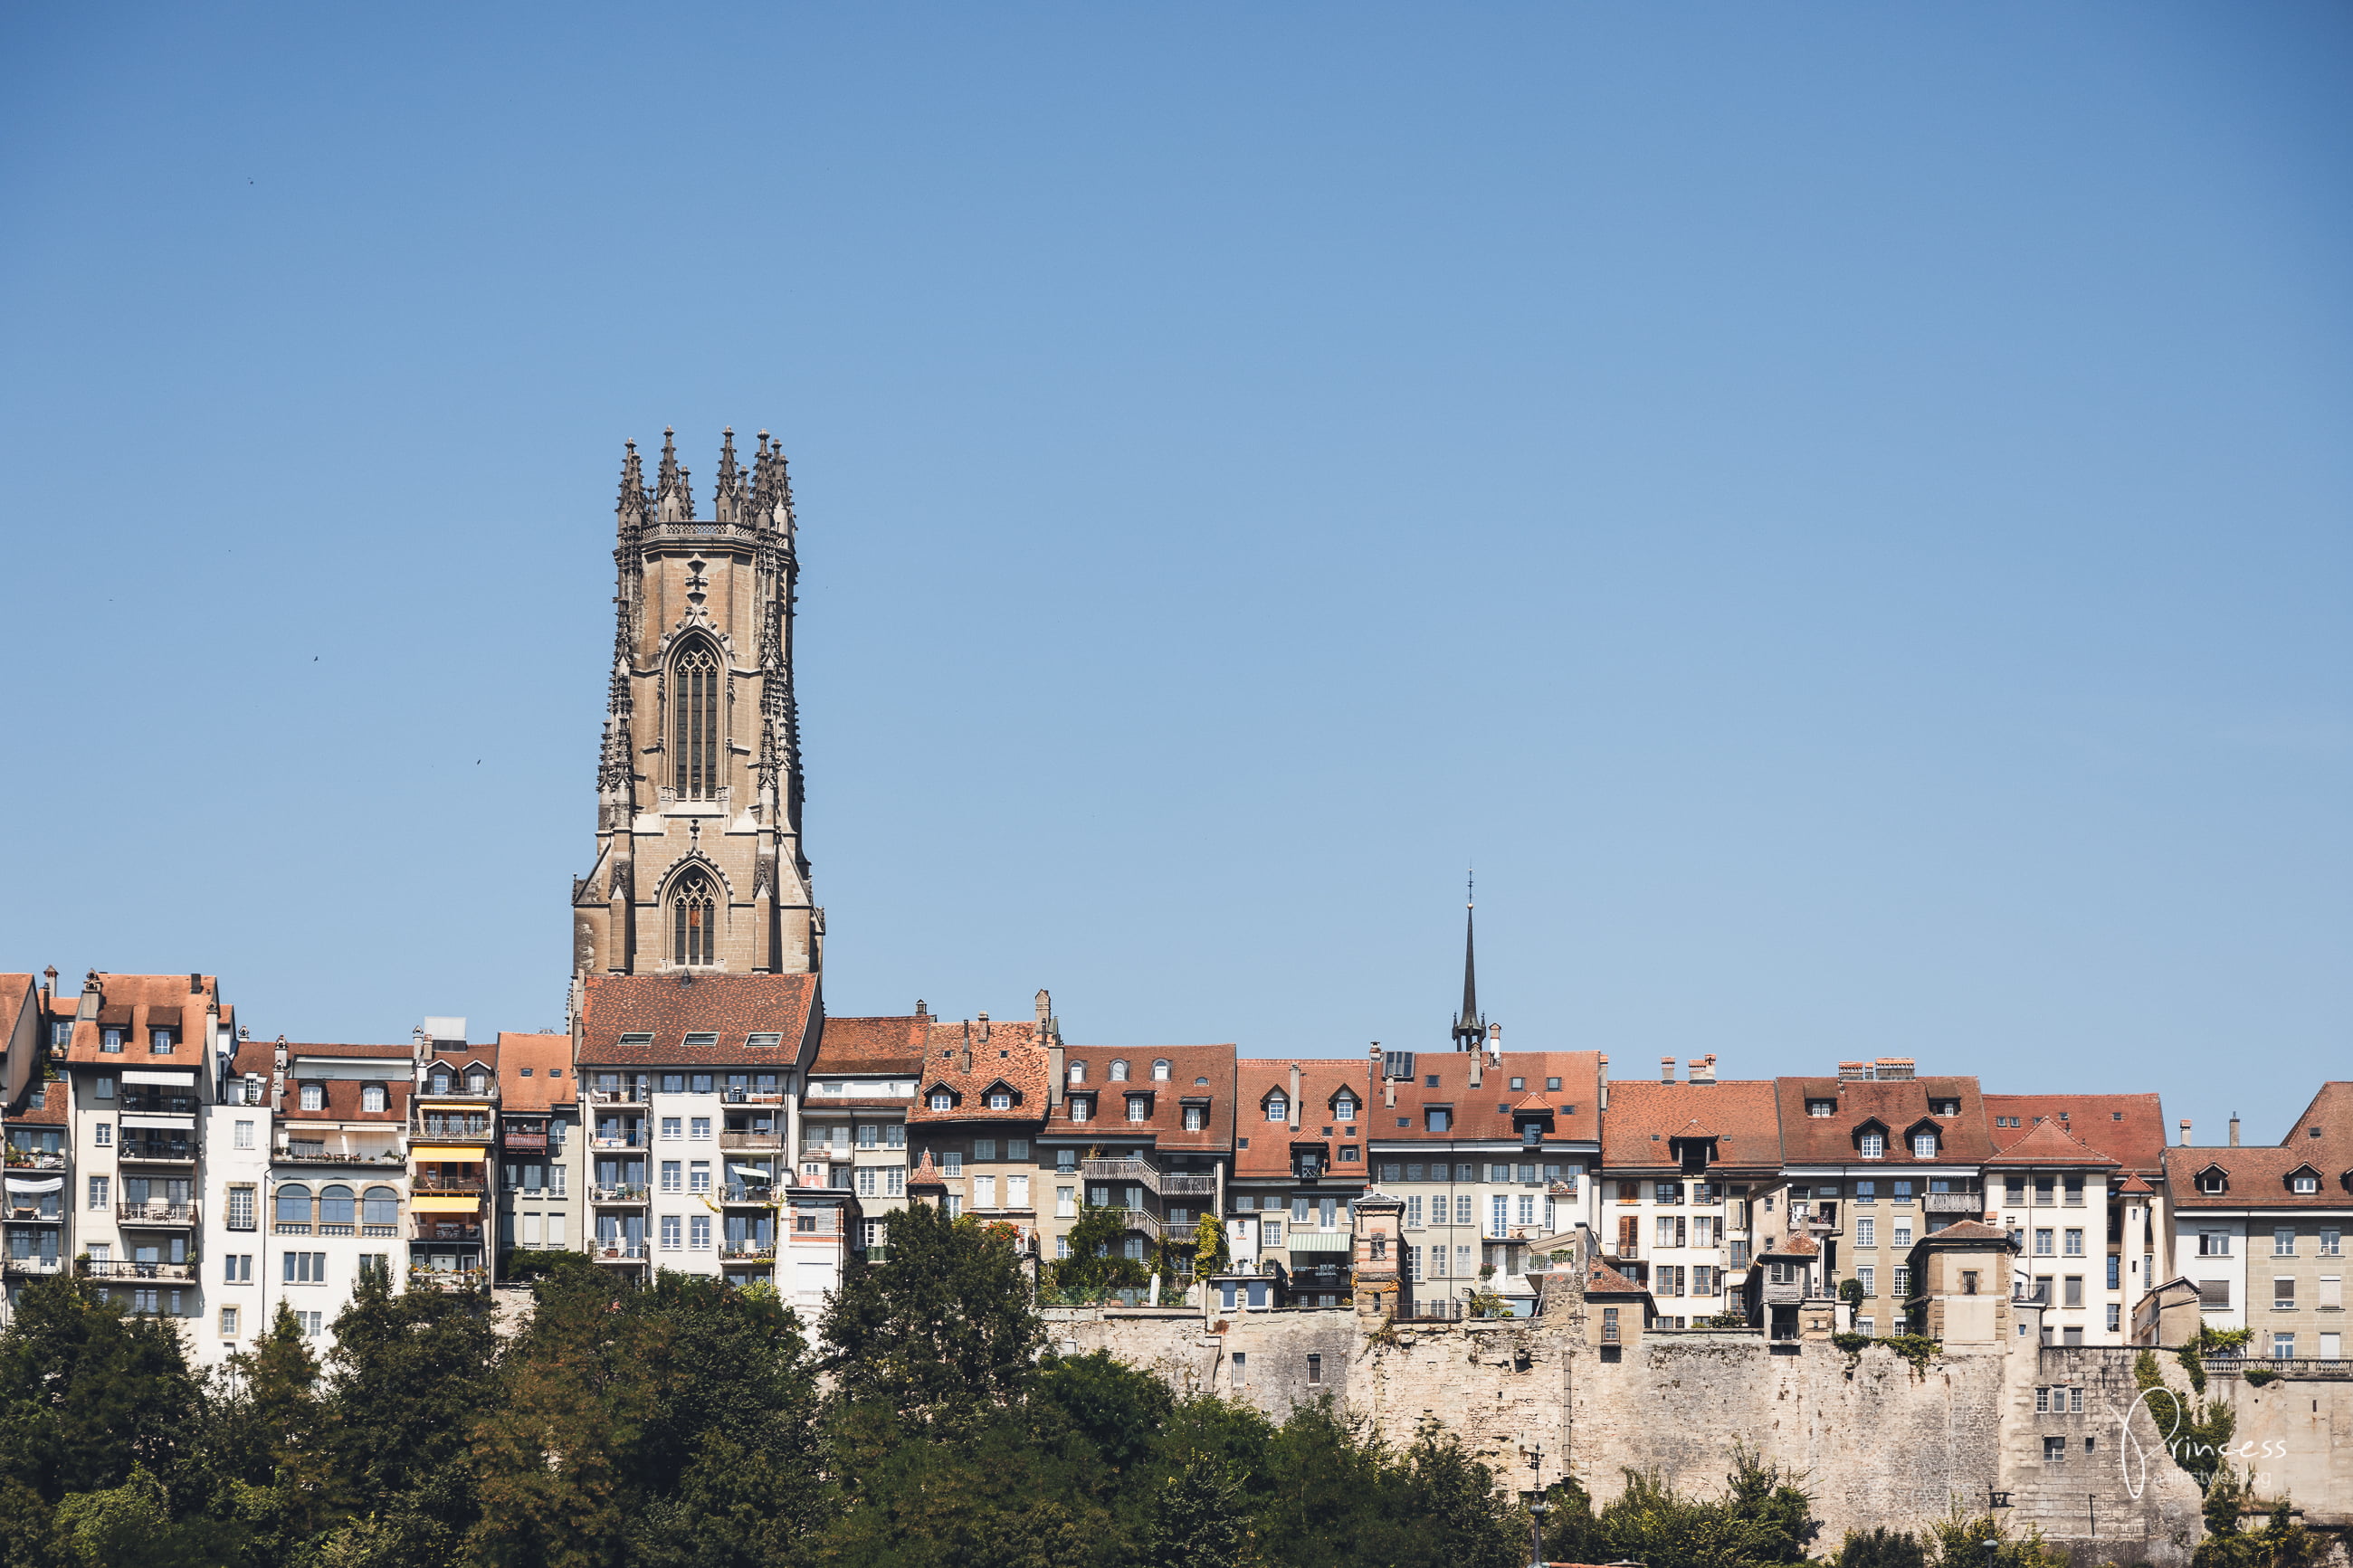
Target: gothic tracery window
{"type": "Point", "coordinates": [694, 915]}
{"type": "Point", "coordinates": [694, 682]}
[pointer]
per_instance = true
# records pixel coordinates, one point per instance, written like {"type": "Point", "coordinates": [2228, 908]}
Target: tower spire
{"type": "Point", "coordinates": [1470, 1028]}
{"type": "Point", "coordinates": [673, 497]}
{"type": "Point", "coordinates": [727, 500]}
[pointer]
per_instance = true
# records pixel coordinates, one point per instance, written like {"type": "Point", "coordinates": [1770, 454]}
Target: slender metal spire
{"type": "Point", "coordinates": [1470, 1028]}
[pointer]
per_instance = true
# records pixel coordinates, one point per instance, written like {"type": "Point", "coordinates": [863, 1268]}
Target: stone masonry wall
{"type": "Point", "coordinates": [1875, 1440]}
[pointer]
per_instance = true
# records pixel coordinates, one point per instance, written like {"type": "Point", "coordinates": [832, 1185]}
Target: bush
{"type": "Point", "coordinates": [1881, 1548]}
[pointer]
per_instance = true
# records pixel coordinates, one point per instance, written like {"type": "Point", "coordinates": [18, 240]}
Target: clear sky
{"type": "Point", "coordinates": [1840, 511]}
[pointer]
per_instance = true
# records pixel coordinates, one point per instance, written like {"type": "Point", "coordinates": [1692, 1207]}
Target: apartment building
{"type": "Point", "coordinates": [1145, 1130]}
{"type": "Point", "coordinates": [23, 1038]}
{"type": "Point", "coordinates": [687, 1074]}
{"type": "Point", "coordinates": [543, 1196]}
{"type": "Point", "coordinates": [2260, 1230]}
{"type": "Point", "coordinates": [2059, 1204]}
{"type": "Point", "coordinates": [139, 1059]}
{"type": "Point", "coordinates": [39, 1210]}
{"type": "Point", "coordinates": [1684, 1166]}
{"type": "Point", "coordinates": [979, 1105]}
{"type": "Point", "coordinates": [1299, 1167]}
{"type": "Point", "coordinates": [862, 1091]}
{"type": "Point", "coordinates": [1494, 1153]}
{"type": "Point", "coordinates": [1872, 1161]}
{"type": "Point", "coordinates": [307, 1182]}
{"type": "Point", "coordinates": [453, 1129]}
{"type": "Point", "coordinates": [2128, 1127]}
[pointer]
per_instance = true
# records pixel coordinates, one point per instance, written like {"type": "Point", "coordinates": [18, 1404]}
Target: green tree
{"type": "Point", "coordinates": [1197, 1520]}
{"type": "Point", "coordinates": [410, 1373]}
{"type": "Point", "coordinates": [1881, 1548]}
{"type": "Point", "coordinates": [942, 1333]}
{"type": "Point", "coordinates": [87, 1393]}
{"type": "Point", "coordinates": [1096, 1262]}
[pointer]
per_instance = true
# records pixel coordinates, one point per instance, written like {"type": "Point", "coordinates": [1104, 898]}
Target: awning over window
{"type": "Point", "coordinates": [443, 1153]}
{"type": "Point", "coordinates": [35, 1183]}
{"type": "Point", "coordinates": [182, 1123]}
{"type": "Point", "coordinates": [1320, 1240]}
{"type": "Point", "coordinates": [185, 1077]}
{"type": "Point", "coordinates": [437, 1203]}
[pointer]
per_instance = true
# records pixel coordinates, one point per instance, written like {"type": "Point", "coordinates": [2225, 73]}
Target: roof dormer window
{"type": "Point", "coordinates": [1119, 1071]}
{"type": "Point", "coordinates": [1822, 1107]}
{"type": "Point", "coordinates": [2213, 1179]}
{"type": "Point", "coordinates": [1160, 1070]}
{"type": "Point", "coordinates": [1344, 1105]}
{"type": "Point", "coordinates": [1078, 1072]}
{"type": "Point", "coordinates": [1139, 1108]}
{"type": "Point", "coordinates": [1923, 1145]}
{"type": "Point", "coordinates": [1944, 1107]}
{"type": "Point", "coordinates": [2304, 1179]}
{"type": "Point", "coordinates": [1278, 1106]}
{"type": "Point", "coordinates": [1000, 1099]}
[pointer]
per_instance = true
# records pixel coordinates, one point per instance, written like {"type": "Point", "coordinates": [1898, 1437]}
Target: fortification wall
{"type": "Point", "coordinates": [1875, 1439]}
{"type": "Point", "coordinates": [2296, 1436]}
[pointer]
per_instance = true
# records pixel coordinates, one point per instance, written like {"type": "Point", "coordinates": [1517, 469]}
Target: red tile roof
{"type": "Point", "coordinates": [1644, 1119]}
{"type": "Point", "coordinates": [1322, 1080]}
{"type": "Point", "coordinates": [1485, 1113]}
{"type": "Point", "coordinates": [403, 1052]}
{"type": "Point", "coordinates": [1897, 1104]}
{"type": "Point", "coordinates": [342, 1097]}
{"type": "Point", "coordinates": [551, 1084]}
{"type": "Point", "coordinates": [141, 1002]}
{"type": "Point", "coordinates": [1166, 1124]}
{"type": "Point", "coordinates": [45, 1105]}
{"type": "Point", "coordinates": [872, 1047]}
{"type": "Point", "coordinates": [971, 1059]}
{"type": "Point", "coordinates": [2258, 1176]}
{"type": "Point", "coordinates": [1969, 1230]}
{"type": "Point", "coordinates": [668, 1008]}
{"type": "Point", "coordinates": [2129, 1126]}
{"type": "Point", "coordinates": [1604, 1281]}
{"type": "Point", "coordinates": [2049, 1143]}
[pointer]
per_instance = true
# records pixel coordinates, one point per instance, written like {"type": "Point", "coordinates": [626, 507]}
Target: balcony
{"type": "Point", "coordinates": [2287, 1366]}
{"type": "Point", "coordinates": [744, 1193]}
{"type": "Point", "coordinates": [748, 1252]}
{"type": "Point", "coordinates": [1785, 1295]}
{"type": "Point", "coordinates": [1145, 1174]}
{"type": "Point", "coordinates": [752, 1097]}
{"type": "Point", "coordinates": [31, 1160]}
{"type": "Point", "coordinates": [618, 1192]}
{"type": "Point", "coordinates": [52, 1213]}
{"type": "Point", "coordinates": [155, 1102]}
{"type": "Point", "coordinates": [533, 1142]}
{"type": "Point", "coordinates": [633, 1096]}
{"type": "Point", "coordinates": [1955, 1203]}
{"type": "Point", "coordinates": [618, 1252]}
{"type": "Point", "coordinates": [451, 1129]}
{"type": "Point", "coordinates": [773, 1139]}
{"type": "Point", "coordinates": [134, 1150]}
{"type": "Point", "coordinates": [320, 1155]}
{"type": "Point", "coordinates": [617, 1138]}
{"type": "Point", "coordinates": [451, 1186]}
{"type": "Point", "coordinates": [173, 1214]}
{"type": "Point", "coordinates": [431, 1228]}
{"type": "Point", "coordinates": [33, 1266]}
{"type": "Point", "coordinates": [90, 1268]}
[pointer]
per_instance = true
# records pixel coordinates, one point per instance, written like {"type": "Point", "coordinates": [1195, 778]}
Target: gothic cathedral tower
{"type": "Point", "coordinates": [699, 862]}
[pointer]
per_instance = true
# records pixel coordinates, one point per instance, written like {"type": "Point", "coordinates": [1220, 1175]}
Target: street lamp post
{"type": "Point", "coordinates": [1537, 1506]}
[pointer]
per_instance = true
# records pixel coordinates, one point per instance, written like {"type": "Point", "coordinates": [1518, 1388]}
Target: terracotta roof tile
{"type": "Point", "coordinates": [668, 1008]}
{"type": "Point", "coordinates": [1897, 1104]}
{"type": "Point", "coordinates": [2259, 1176]}
{"type": "Point", "coordinates": [1166, 1124]}
{"type": "Point", "coordinates": [18, 992]}
{"type": "Point", "coordinates": [2049, 1143]}
{"type": "Point", "coordinates": [1969, 1230]}
{"type": "Point", "coordinates": [1485, 1113]}
{"type": "Point", "coordinates": [970, 1059]}
{"type": "Point", "coordinates": [344, 1101]}
{"type": "Point", "coordinates": [45, 1105]}
{"type": "Point", "coordinates": [548, 1058]}
{"type": "Point", "coordinates": [1322, 1080]}
{"type": "Point", "coordinates": [1644, 1119]}
{"type": "Point", "coordinates": [872, 1047]}
{"type": "Point", "coordinates": [126, 1001]}
{"type": "Point", "coordinates": [2131, 1127]}
{"type": "Point", "coordinates": [1604, 1281]}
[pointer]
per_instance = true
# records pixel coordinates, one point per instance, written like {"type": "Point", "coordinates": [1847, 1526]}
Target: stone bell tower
{"type": "Point", "coordinates": [699, 862]}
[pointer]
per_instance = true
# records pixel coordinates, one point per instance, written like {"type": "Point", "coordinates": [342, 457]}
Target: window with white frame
{"type": "Point", "coordinates": [671, 1233]}
{"type": "Point", "coordinates": [1866, 1231]}
{"type": "Point", "coordinates": [1278, 1106]}
{"type": "Point", "coordinates": [1160, 1070]}
{"type": "Point", "coordinates": [1139, 1108]}
{"type": "Point", "coordinates": [1874, 1146]}
{"type": "Point", "coordinates": [1923, 1145]}
{"type": "Point", "coordinates": [1868, 1277]}
{"type": "Point", "coordinates": [2283, 1242]}
{"type": "Point", "coordinates": [1195, 1118]}
{"type": "Point", "coordinates": [314, 1097]}
{"type": "Point", "coordinates": [1119, 1072]}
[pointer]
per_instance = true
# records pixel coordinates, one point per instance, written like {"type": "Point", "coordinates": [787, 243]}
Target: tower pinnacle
{"type": "Point", "coordinates": [1470, 1028]}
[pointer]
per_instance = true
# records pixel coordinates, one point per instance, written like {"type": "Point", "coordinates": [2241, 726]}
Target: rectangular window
{"type": "Point", "coordinates": [1902, 1282]}
{"type": "Point", "coordinates": [1270, 1232]}
{"type": "Point", "coordinates": [672, 1127]}
{"type": "Point", "coordinates": [243, 1137]}
{"type": "Point", "coordinates": [984, 1148]}
{"type": "Point", "coordinates": [2283, 1242]}
{"type": "Point", "coordinates": [1413, 1213]}
{"type": "Point", "coordinates": [672, 1171]}
{"type": "Point", "coordinates": [866, 1184]}
{"type": "Point", "coordinates": [2213, 1244]}
{"type": "Point", "coordinates": [1017, 1192]}
{"type": "Point", "coordinates": [2332, 1293]}
{"type": "Point", "coordinates": [894, 1181]}
{"type": "Point", "coordinates": [1314, 1369]}
{"type": "Point", "coordinates": [240, 1208]}
{"type": "Point", "coordinates": [228, 1322]}
{"type": "Point", "coordinates": [984, 1192]}
{"type": "Point", "coordinates": [2074, 1243]}
{"type": "Point", "coordinates": [1866, 1231]}
{"type": "Point", "coordinates": [1066, 1201]}
{"type": "Point", "coordinates": [2115, 1317]}
{"type": "Point", "coordinates": [700, 1128]}
{"type": "Point", "coordinates": [2283, 1292]}
{"type": "Point", "coordinates": [669, 1233]}
{"type": "Point", "coordinates": [2074, 1297]}
{"type": "Point", "coordinates": [952, 1161]}
{"type": "Point", "coordinates": [2214, 1293]}
{"type": "Point", "coordinates": [2042, 1401]}
{"type": "Point", "coordinates": [1904, 1230]}
{"type": "Point", "coordinates": [698, 1176]}
{"type": "Point", "coordinates": [101, 1192]}
{"type": "Point", "coordinates": [699, 1232]}
{"type": "Point", "coordinates": [2283, 1346]}
{"type": "Point", "coordinates": [2043, 1240]}
{"type": "Point", "coordinates": [2332, 1243]}
{"type": "Point", "coordinates": [1869, 1277]}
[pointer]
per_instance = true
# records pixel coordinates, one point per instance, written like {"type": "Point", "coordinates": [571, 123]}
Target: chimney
{"type": "Point", "coordinates": [921, 1011]}
{"type": "Point", "coordinates": [1478, 1065]}
{"type": "Point", "coordinates": [2234, 1130]}
{"type": "Point", "coordinates": [1294, 1097]}
{"type": "Point", "coordinates": [1495, 1044]}
{"type": "Point", "coordinates": [1601, 1071]}
{"type": "Point", "coordinates": [1896, 1066]}
{"type": "Point", "coordinates": [1388, 1084]}
{"type": "Point", "coordinates": [1045, 1008]}
{"type": "Point", "coordinates": [2185, 1132]}
{"type": "Point", "coordinates": [984, 1028]}
{"type": "Point", "coordinates": [1666, 1069]}
{"type": "Point", "coordinates": [1853, 1071]}
{"type": "Point", "coordinates": [1054, 1073]}
{"type": "Point", "coordinates": [1703, 1069]}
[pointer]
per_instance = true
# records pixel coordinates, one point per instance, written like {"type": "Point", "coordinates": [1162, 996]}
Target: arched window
{"type": "Point", "coordinates": [1078, 1072]}
{"type": "Point", "coordinates": [372, 1097]}
{"type": "Point", "coordinates": [336, 1205]}
{"type": "Point", "coordinates": [1119, 1072]}
{"type": "Point", "coordinates": [1160, 1070]}
{"type": "Point", "coordinates": [294, 1204]}
{"type": "Point", "coordinates": [695, 703]}
{"type": "Point", "coordinates": [380, 1205]}
{"type": "Point", "coordinates": [693, 915]}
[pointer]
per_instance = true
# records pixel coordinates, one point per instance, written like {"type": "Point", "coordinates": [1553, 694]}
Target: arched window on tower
{"type": "Point", "coordinates": [695, 681]}
{"type": "Point", "coordinates": [694, 915]}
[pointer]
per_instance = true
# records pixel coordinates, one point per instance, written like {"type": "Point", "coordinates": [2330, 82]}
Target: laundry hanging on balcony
{"type": "Point", "coordinates": [35, 1183]}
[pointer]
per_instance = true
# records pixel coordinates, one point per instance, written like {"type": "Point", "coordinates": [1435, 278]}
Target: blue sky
{"type": "Point", "coordinates": [1840, 511]}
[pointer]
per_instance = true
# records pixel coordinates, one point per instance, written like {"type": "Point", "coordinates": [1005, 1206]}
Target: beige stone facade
{"type": "Point", "coordinates": [699, 860]}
